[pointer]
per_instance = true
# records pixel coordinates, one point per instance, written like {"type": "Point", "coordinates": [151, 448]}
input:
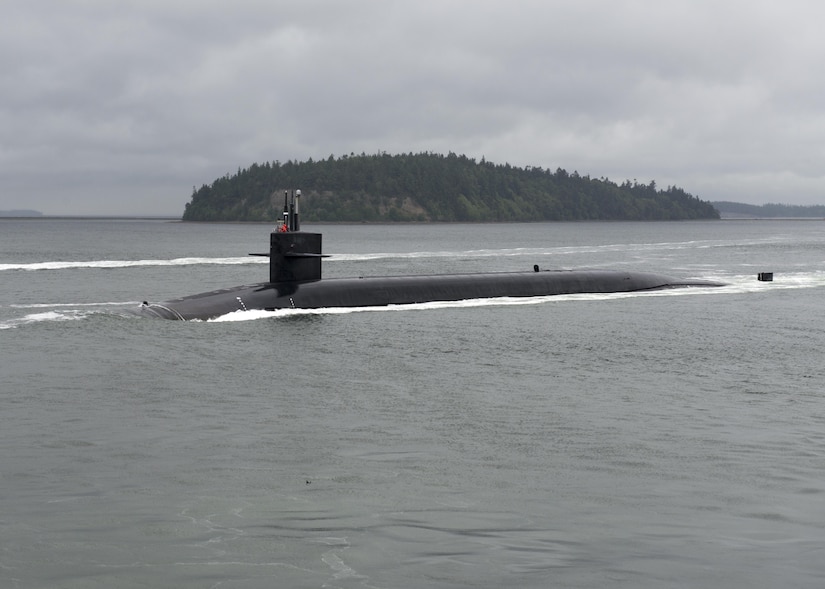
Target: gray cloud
{"type": "Point", "coordinates": [120, 108]}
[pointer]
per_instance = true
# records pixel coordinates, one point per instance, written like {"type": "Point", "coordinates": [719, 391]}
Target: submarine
{"type": "Point", "coordinates": [295, 282]}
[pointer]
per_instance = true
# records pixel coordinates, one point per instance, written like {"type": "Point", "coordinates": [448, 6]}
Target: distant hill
{"type": "Point", "coordinates": [432, 187]}
{"type": "Point", "coordinates": [738, 209]}
{"type": "Point", "coordinates": [21, 213]}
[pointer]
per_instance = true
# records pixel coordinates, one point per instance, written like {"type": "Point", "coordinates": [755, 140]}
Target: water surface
{"type": "Point", "coordinates": [664, 439]}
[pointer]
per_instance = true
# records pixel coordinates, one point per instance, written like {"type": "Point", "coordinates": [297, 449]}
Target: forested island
{"type": "Point", "coordinates": [428, 187]}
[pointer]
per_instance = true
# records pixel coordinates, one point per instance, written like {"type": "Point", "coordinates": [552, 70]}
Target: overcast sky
{"type": "Point", "coordinates": [122, 107]}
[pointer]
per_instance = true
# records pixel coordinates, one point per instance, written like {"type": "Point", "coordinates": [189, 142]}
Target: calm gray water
{"type": "Point", "coordinates": [671, 439]}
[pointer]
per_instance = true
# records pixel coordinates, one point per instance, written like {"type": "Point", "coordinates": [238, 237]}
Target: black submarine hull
{"type": "Point", "coordinates": [295, 282]}
{"type": "Point", "coordinates": [402, 290]}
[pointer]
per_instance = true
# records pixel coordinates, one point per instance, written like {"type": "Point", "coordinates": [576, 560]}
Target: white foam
{"type": "Point", "coordinates": [252, 315]}
{"type": "Point", "coordinates": [60, 305]}
{"type": "Point", "coordinates": [42, 317]}
{"type": "Point", "coordinates": [59, 265]}
{"type": "Point", "coordinates": [57, 312]}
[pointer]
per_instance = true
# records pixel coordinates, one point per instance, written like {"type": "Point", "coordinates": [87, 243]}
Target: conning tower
{"type": "Point", "coordinates": [294, 255]}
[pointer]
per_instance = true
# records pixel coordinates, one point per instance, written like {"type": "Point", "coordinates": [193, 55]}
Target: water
{"type": "Point", "coordinates": [669, 439]}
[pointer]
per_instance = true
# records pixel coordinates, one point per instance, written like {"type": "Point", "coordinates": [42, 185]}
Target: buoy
{"type": "Point", "coordinates": [765, 276]}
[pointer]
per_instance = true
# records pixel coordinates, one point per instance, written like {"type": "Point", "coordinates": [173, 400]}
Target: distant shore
{"type": "Point", "coordinates": [13, 215]}
{"type": "Point", "coordinates": [20, 213]}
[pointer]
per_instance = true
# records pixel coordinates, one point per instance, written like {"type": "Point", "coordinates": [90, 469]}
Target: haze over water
{"type": "Point", "coordinates": [664, 439]}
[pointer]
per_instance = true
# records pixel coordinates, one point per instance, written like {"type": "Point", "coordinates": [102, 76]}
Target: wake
{"type": "Point", "coordinates": [57, 265]}
{"type": "Point", "coordinates": [537, 252]}
{"type": "Point", "coordinates": [734, 285]}
{"type": "Point", "coordinates": [63, 312]}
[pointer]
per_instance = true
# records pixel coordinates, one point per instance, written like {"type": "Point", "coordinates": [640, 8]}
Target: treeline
{"type": "Point", "coordinates": [771, 210]}
{"type": "Point", "coordinates": [432, 187]}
